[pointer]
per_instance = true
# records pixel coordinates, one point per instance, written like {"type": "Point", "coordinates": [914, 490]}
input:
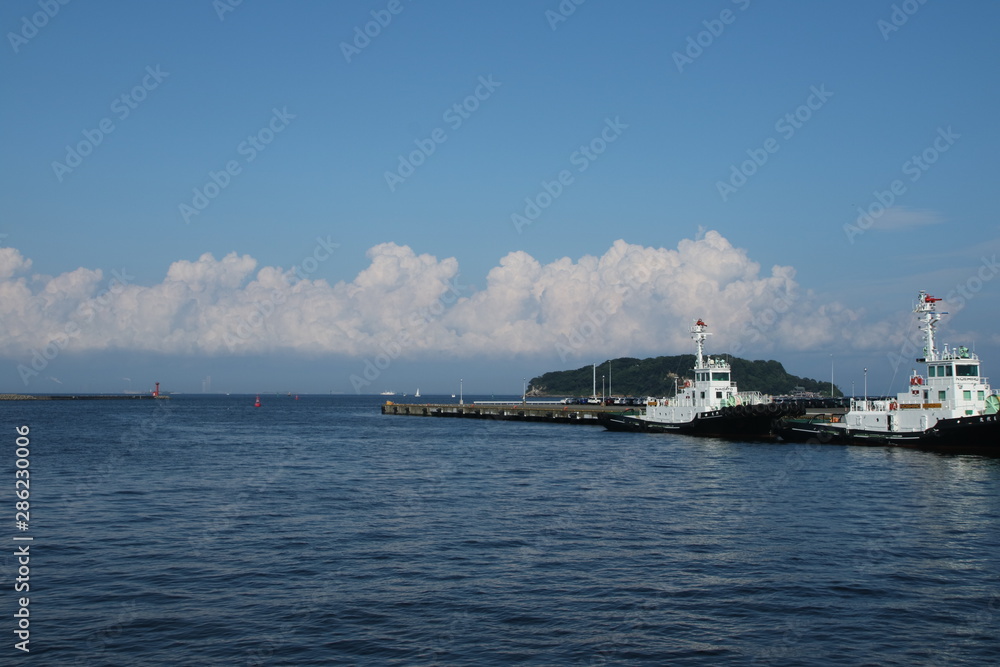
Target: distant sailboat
{"type": "Point", "coordinates": [417, 395]}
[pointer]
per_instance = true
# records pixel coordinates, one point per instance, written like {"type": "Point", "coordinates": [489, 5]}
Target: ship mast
{"type": "Point", "coordinates": [926, 309]}
{"type": "Point", "coordinates": [698, 335]}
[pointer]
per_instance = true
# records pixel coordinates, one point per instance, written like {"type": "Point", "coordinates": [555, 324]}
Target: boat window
{"type": "Point", "coordinates": [981, 395]}
{"type": "Point", "coordinates": [967, 395]}
{"type": "Point", "coordinates": [703, 394]}
{"type": "Point", "coordinates": [932, 371]}
{"type": "Point", "coordinates": [718, 394]}
{"type": "Point", "coordinates": [941, 395]}
{"type": "Point", "coordinates": [967, 370]}
{"type": "Point", "coordinates": [720, 377]}
{"type": "Point", "coordinates": [947, 371]}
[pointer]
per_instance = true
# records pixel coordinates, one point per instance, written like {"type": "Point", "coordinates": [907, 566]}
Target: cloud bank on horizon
{"type": "Point", "coordinates": [633, 299]}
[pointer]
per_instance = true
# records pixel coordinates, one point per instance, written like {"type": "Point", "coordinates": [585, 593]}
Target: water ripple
{"type": "Point", "coordinates": [319, 532]}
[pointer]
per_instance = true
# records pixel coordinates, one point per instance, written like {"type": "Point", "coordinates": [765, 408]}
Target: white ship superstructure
{"type": "Point", "coordinates": [953, 387]}
{"type": "Point", "coordinates": [952, 403]}
{"type": "Point", "coordinates": [710, 404]}
{"type": "Point", "coordinates": [712, 389]}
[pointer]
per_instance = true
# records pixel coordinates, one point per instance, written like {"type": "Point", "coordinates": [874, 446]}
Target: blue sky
{"type": "Point", "coordinates": [833, 99]}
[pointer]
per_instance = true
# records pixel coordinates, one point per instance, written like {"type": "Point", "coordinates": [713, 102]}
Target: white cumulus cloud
{"type": "Point", "coordinates": [632, 299]}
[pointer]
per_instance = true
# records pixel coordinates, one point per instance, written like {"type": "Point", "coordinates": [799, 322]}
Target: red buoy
{"type": "Point", "coordinates": [257, 402]}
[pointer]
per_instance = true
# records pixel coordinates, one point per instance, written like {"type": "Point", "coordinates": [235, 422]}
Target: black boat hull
{"type": "Point", "coordinates": [755, 421]}
{"type": "Point", "coordinates": [962, 435]}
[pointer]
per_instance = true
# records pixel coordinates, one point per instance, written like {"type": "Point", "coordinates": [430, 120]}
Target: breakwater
{"type": "Point", "coordinates": [78, 397]}
{"type": "Point", "coordinates": [555, 412]}
{"type": "Point", "coordinates": [559, 413]}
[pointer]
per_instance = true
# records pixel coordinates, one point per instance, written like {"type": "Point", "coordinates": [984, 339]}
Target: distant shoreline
{"type": "Point", "coordinates": [79, 397]}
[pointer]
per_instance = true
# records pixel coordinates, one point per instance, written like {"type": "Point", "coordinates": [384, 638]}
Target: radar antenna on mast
{"type": "Point", "coordinates": [698, 335]}
{"type": "Point", "coordinates": [926, 309]}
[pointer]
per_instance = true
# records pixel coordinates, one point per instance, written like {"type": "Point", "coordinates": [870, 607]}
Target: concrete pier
{"type": "Point", "coordinates": [553, 413]}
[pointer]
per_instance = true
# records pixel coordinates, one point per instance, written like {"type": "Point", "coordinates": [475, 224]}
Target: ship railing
{"type": "Point", "coordinates": [826, 419]}
{"type": "Point", "coordinates": [958, 354]}
{"type": "Point", "coordinates": [750, 398]}
{"type": "Point", "coordinates": [874, 405]}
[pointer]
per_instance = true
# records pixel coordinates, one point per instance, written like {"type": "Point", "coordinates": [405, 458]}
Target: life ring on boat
{"type": "Point", "coordinates": [916, 380]}
{"type": "Point", "coordinates": [894, 405]}
{"type": "Point", "coordinates": [687, 383]}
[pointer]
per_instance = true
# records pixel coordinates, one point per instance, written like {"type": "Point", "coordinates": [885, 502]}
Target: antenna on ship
{"type": "Point", "coordinates": [698, 335]}
{"type": "Point", "coordinates": [926, 309]}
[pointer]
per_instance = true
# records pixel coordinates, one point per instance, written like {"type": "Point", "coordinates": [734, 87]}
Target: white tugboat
{"type": "Point", "coordinates": [950, 408]}
{"type": "Point", "coordinates": [710, 405]}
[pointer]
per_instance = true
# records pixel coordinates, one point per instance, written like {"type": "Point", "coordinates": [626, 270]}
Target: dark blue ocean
{"type": "Point", "coordinates": [203, 531]}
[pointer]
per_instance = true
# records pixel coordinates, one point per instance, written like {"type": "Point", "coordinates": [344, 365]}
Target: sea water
{"type": "Point", "coordinates": [204, 531]}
